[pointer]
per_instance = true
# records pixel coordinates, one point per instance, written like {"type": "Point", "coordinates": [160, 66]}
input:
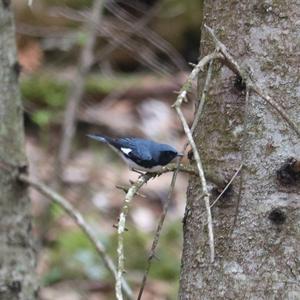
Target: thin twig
{"type": "Point", "coordinates": [202, 180]}
{"type": "Point", "coordinates": [277, 107]}
{"type": "Point", "coordinates": [134, 28]}
{"type": "Point", "coordinates": [126, 188]}
{"type": "Point", "coordinates": [79, 220]}
{"type": "Point", "coordinates": [178, 168]}
{"type": "Point", "coordinates": [201, 105]}
{"type": "Point", "coordinates": [199, 67]}
{"type": "Point", "coordinates": [227, 185]}
{"type": "Point", "coordinates": [131, 192]}
{"type": "Point", "coordinates": [121, 229]}
{"type": "Point", "coordinates": [231, 63]}
{"type": "Point", "coordinates": [158, 230]}
{"type": "Point", "coordinates": [181, 98]}
{"type": "Point", "coordinates": [235, 67]}
{"type": "Point", "coordinates": [145, 57]}
{"type": "Point", "coordinates": [181, 168]}
{"type": "Point", "coordinates": [245, 129]}
{"type": "Point", "coordinates": [77, 88]}
{"type": "Point", "coordinates": [203, 97]}
{"type": "Point", "coordinates": [146, 33]}
{"type": "Point", "coordinates": [114, 33]}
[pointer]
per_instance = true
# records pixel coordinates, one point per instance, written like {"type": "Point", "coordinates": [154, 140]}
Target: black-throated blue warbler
{"type": "Point", "coordinates": [140, 154]}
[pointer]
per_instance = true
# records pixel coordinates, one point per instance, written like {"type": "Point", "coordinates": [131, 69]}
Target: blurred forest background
{"type": "Point", "coordinates": [125, 71]}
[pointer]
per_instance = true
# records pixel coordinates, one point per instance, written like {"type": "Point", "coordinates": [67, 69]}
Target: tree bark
{"type": "Point", "coordinates": [257, 255]}
{"type": "Point", "coordinates": [17, 259]}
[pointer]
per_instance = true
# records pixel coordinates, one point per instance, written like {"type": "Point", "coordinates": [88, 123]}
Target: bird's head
{"type": "Point", "coordinates": [167, 154]}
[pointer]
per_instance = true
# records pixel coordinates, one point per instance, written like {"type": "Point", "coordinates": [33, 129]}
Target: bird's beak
{"type": "Point", "coordinates": [180, 154]}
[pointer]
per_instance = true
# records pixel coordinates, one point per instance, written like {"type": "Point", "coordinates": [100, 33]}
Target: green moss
{"type": "Point", "coordinates": [56, 211]}
{"type": "Point", "coordinates": [50, 90]}
{"type": "Point", "coordinates": [44, 90]}
{"type": "Point", "coordinates": [137, 248]}
{"type": "Point", "coordinates": [168, 266]}
{"type": "Point", "coordinates": [105, 85]}
{"type": "Point", "coordinates": [42, 117]}
{"type": "Point", "coordinates": [54, 275]}
{"type": "Point", "coordinates": [46, 94]}
{"type": "Point", "coordinates": [74, 257]}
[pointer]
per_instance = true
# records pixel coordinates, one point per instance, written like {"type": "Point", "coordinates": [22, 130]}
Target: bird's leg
{"type": "Point", "coordinates": [137, 171]}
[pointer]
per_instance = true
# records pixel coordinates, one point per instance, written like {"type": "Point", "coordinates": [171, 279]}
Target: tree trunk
{"type": "Point", "coordinates": [17, 259]}
{"type": "Point", "coordinates": [258, 256]}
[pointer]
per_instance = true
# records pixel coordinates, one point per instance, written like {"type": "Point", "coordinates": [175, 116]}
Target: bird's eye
{"type": "Point", "coordinates": [171, 154]}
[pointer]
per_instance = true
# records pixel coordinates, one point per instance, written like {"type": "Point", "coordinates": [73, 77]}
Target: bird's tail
{"type": "Point", "coordinates": [98, 137]}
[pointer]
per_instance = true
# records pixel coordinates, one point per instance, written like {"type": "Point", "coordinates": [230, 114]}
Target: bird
{"type": "Point", "coordinates": [140, 154]}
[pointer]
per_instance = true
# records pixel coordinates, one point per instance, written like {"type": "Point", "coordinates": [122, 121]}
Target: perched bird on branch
{"type": "Point", "coordinates": [140, 154]}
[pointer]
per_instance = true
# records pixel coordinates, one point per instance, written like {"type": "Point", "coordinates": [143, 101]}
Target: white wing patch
{"type": "Point", "coordinates": [126, 150]}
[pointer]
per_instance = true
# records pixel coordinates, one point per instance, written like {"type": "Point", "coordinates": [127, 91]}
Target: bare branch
{"type": "Point", "coordinates": [203, 97]}
{"type": "Point", "coordinates": [235, 67]}
{"type": "Point", "coordinates": [227, 185]}
{"type": "Point", "coordinates": [202, 180]}
{"type": "Point", "coordinates": [121, 229]}
{"type": "Point", "coordinates": [181, 98]}
{"type": "Point", "coordinates": [134, 28]}
{"type": "Point", "coordinates": [130, 193]}
{"type": "Point", "coordinates": [145, 57]}
{"type": "Point", "coordinates": [79, 220]}
{"type": "Point", "coordinates": [146, 33]}
{"type": "Point", "coordinates": [239, 196]}
{"type": "Point", "coordinates": [199, 67]}
{"type": "Point", "coordinates": [230, 62]}
{"type": "Point", "coordinates": [179, 167]}
{"type": "Point", "coordinates": [158, 230]}
{"type": "Point", "coordinates": [277, 107]}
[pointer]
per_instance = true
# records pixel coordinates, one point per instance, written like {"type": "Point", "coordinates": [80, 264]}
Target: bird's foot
{"type": "Point", "coordinates": [138, 171]}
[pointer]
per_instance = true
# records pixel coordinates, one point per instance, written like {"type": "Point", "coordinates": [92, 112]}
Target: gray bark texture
{"type": "Point", "coordinates": [16, 252]}
{"type": "Point", "coordinates": [259, 256]}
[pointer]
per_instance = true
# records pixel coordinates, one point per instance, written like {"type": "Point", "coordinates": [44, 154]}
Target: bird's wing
{"type": "Point", "coordinates": [136, 151]}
